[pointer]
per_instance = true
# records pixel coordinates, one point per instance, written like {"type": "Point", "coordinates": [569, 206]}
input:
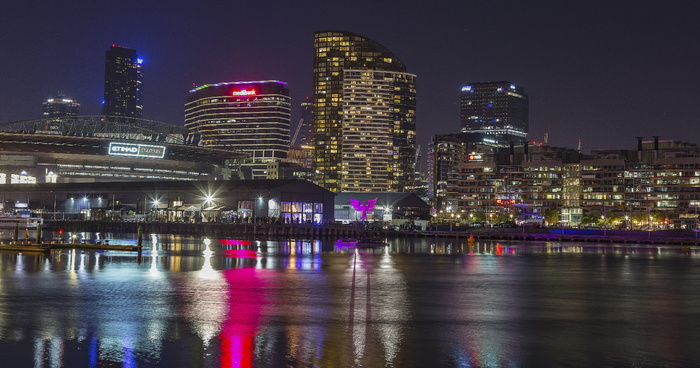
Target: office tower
{"type": "Point", "coordinates": [496, 111]}
{"type": "Point", "coordinates": [364, 130]}
{"type": "Point", "coordinates": [123, 83]}
{"type": "Point", "coordinates": [251, 117]}
{"type": "Point", "coordinates": [60, 106]}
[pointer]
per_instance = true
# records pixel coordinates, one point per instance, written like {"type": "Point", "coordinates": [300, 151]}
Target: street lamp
{"type": "Point", "coordinates": [154, 209]}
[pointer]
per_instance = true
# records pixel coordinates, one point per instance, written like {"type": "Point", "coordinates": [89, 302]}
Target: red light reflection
{"type": "Point", "coordinates": [235, 242]}
{"type": "Point", "coordinates": [240, 253]}
{"type": "Point", "coordinates": [245, 305]}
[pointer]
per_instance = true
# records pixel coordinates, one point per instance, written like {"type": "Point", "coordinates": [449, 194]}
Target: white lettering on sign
{"type": "Point", "coordinates": [244, 92]}
{"type": "Point", "coordinates": [136, 150]}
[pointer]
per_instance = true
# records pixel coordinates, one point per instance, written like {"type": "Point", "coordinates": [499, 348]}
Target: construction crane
{"type": "Point", "coordinates": [296, 132]}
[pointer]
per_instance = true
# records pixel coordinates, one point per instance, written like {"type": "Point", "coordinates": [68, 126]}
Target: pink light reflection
{"type": "Point", "coordinates": [245, 303]}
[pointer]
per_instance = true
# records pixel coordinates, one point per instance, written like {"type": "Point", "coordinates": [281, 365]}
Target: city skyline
{"type": "Point", "coordinates": [600, 72]}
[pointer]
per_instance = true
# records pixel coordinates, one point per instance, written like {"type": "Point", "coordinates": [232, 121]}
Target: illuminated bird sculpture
{"type": "Point", "coordinates": [363, 206]}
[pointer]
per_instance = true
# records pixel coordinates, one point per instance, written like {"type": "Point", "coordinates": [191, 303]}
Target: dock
{"type": "Point", "coordinates": [47, 247]}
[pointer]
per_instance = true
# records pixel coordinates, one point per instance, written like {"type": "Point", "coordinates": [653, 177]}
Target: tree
{"type": "Point", "coordinates": [552, 215]}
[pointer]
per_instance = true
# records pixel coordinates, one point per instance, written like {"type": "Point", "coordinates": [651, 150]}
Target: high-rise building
{"type": "Point", "coordinates": [497, 111]}
{"type": "Point", "coordinates": [252, 117]}
{"type": "Point", "coordinates": [123, 83]}
{"type": "Point", "coordinates": [364, 129]}
{"type": "Point", "coordinates": [60, 106]}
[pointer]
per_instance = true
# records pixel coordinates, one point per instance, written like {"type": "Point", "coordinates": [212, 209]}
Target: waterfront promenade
{"type": "Point", "coordinates": [335, 230]}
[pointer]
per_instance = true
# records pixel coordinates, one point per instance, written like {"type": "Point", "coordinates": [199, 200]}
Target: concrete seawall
{"type": "Point", "coordinates": [309, 231]}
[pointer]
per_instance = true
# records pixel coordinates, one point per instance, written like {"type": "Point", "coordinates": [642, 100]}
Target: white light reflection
{"type": "Point", "coordinates": [393, 299]}
{"type": "Point", "coordinates": [205, 310]}
{"type": "Point", "coordinates": [207, 272]}
{"type": "Point", "coordinates": [19, 267]}
{"type": "Point", "coordinates": [379, 304]}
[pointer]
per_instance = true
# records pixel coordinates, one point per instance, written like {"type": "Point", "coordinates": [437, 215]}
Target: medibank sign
{"type": "Point", "coordinates": [136, 150]}
{"type": "Point", "coordinates": [244, 92]}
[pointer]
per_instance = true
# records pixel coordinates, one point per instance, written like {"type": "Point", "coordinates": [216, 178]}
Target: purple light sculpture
{"type": "Point", "coordinates": [363, 206]}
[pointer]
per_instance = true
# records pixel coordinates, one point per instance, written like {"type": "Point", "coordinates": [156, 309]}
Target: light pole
{"type": "Point", "coordinates": [605, 220]}
{"type": "Point", "coordinates": [697, 222]}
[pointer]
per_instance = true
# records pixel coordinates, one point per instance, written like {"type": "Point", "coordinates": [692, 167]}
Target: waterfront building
{"type": "Point", "coordinates": [123, 93]}
{"type": "Point", "coordinates": [656, 186]}
{"type": "Point", "coordinates": [251, 117]}
{"type": "Point", "coordinates": [60, 106]}
{"type": "Point", "coordinates": [289, 201]}
{"type": "Point", "coordinates": [364, 127]}
{"type": "Point", "coordinates": [497, 110]}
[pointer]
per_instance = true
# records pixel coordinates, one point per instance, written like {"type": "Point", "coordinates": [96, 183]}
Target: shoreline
{"type": "Point", "coordinates": [337, 231]}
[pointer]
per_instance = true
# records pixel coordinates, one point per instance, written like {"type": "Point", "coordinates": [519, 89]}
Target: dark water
{"type": "Point", "coordinates": [417, 303]}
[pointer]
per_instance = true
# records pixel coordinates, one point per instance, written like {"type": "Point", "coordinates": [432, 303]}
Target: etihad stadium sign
{"type": "Point", "coordinates": [136, 150]}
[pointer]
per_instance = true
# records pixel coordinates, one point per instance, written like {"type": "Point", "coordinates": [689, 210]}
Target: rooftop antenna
{"type": "Point", "coordinates": [579, 145]}
{"type": "Point", "coordinates": [546, 134]}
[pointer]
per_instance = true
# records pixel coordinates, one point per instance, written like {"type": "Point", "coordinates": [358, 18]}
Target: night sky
{"type": "Point", "coordinates": [600, 71]}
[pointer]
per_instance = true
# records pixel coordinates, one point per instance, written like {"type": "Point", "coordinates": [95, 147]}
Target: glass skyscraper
{"type": "Point", "coordinates": [364, 126]}
{"type": "Point", "coordinates": [496, 110]}
{"type": "Point", "coordinates": [123, 83]}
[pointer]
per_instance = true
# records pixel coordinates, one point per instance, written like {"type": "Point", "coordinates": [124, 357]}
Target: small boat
{"type": "Point", "coordinates": [346, 242]}
{"type": "Point", "coordinates": [370, 243]}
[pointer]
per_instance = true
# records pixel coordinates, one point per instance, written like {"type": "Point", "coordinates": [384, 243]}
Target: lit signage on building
{"type": "Point", "coordinates": [244, 92]}
{"type": "Point", "coordinates": [136, 150]}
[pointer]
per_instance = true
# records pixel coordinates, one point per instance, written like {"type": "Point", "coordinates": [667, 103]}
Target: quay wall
{"type": "Point", "coordinates": [310, 231]}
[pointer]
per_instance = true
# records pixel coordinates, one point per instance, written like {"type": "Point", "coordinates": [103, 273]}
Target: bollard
{"type": "Point", "coordinates": [38, 234]}
{"type": "Point", "coordinates": [139, 236]}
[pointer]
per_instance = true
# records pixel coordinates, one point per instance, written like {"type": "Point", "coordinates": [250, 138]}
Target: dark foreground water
{"type": "Point", "coordinates": [417, 303]}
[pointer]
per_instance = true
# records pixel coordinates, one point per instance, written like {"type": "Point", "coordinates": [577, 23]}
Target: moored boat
{"type": "Point", "coordinates": [371, 243]}
{"type": "Point", "coordinates": [10, 222]}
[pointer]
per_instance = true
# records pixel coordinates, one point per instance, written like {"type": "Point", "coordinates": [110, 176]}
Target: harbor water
{"type": "Point", "coordinates": [228, 302]}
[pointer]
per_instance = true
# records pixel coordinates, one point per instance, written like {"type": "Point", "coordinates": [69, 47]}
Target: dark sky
{"type": "Point", "coordinates": [600, 71]}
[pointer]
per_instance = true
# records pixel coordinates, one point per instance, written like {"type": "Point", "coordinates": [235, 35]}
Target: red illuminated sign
{"type": "Point", "coordinates": [244, 92]}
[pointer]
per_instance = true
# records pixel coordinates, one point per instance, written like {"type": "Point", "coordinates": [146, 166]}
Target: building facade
{"type": "Point", "coordinates": [123, 94]}
{"type": "Point", "coordinates": [251, 117]}
{"type": "Point", "coordinates": [87, 148]}
{"type": "Point", "coordinates": [655, 187]}
{"type": "Point", "coordinates": [287, 201]}
{"type": "Point", "coordinates": [60, 106]}
{"type": "Point", "coordinates": [498, 110]}
{"type": "Point", "coordinates": [364, 127]}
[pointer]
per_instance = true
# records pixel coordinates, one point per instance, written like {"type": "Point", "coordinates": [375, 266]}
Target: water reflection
{"type": "Point", "coordinates": [417, 302]}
